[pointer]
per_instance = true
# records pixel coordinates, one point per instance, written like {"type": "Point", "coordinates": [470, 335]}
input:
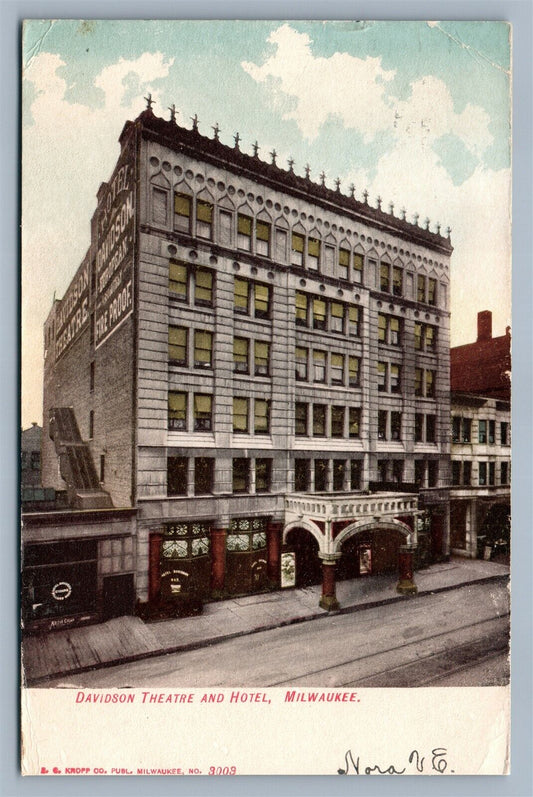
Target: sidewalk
{"type": "Point", "coordinates": [129, 638]}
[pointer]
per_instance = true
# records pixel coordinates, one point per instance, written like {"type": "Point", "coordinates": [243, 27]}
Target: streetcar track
{"type": "Point", "coordinates": [396, 648]}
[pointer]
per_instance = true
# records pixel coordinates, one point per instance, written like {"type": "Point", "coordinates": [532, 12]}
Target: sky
{"type": "Point", "coordinates": [415, 112]}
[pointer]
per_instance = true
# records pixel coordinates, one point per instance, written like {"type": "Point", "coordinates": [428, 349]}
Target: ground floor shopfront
{"type": "Point", "coordinates": [480, 522]}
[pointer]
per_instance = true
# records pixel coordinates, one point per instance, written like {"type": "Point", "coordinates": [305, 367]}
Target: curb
{"type": "Point", "coordinates": [42, 679]}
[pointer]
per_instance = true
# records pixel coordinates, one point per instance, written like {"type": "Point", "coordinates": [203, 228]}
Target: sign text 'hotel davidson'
{"type": "Point", "coordinates": [73, 313]}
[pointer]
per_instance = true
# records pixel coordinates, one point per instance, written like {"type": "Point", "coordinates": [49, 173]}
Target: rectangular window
{"type": "Point", "coordinates": [419, 427]}
{"type": "Point", "coordinates": [355, 474]}
{"type": "Point", "coordinates": [204, 472]}
{"type": "Point", "coordinates": [430, 384]}
{"type": "Point", "coordinates": [302, 475]}
{"type": "Point", "coordinates": [91, 377]}
{"type": "Point", "coordinates": [397, 470]}
{"type": "Point", "coordinates": [178, 280]}
{"type": "Point", "coordinates": [467, 430]}
{"type": "Point", "coordinates": [354, 421]}
{"type": "Point", "coordinates": [301, 309]}
{"type": "Point", "coordinates": [102, 468]}
{"type": "Point", "coordinates": [241, 475]}
{"type": "Point", "coordinates": [225, 220]}
{"type": "Point", "coordinates": [313, 253]}
{"type": "Point", "coordinates": [420, 472]}
{"type": "Point", "coordinates": [353, 322]}
{"type": "Point", "coordinates": [344, 263]}
{"type": "Point", "coordinates": [504, 430]}
{"type": "Point", "coordinates": [384, 277]}
{"type": "Point", "coordinates": [203, 406]}
{"type": "Point", "coordinates": [261, 301]}
{"type": "Point", "coordinates": [240, 355]}
{"type": "Point", "coordinates": [159, 206]}
{"type": "Point", "coordinates": [492, 469]}
{"type": "Point", "coordinates": [261, 416]}
{"type": "Point", "coordinates": [319, 313]}
{"type": "Point", "coordinates": [482, 477]}
{"type": "Point", "coordinates": [336, 317]}
{"type": "Point", "coordinates": [321, 475]}
{"type": "Point", "coordinates": [281, 246]}
{"type": "Point", "coordinates": [382, 328]}
{"type": "Point", "coordinates": [383, 470]}
{"type": "Point", "coordinates": [301, 355]}
{"type": "Point", "coordinates": [203, 349]}
{"type": "Point", "coordinates": [337, 421]}
{"type": "Point", "coordinates": [431, 426]}
{"type": "Point", "coordinates": [382, 424]}
{"type": "Point", "coordinates": [244, 232]}
{"type": "Point", "coordinates": [418, 336]}
{"type": "Point", "coordinates": [456, 429]}
{"type": "Point", "coordinates": [353, 371]}
{"type": "Point", "coordinates": [396, 425]}
{"type": "Point", "coordinates": [297, 249]}
{"type": "Point", "coordinates": [319, 366]}
{"type": "Point", "coordinates": [300, 419]}
{"type": "Point", "coordinates": [503, 473]}
{"type": "Point", "coordinates": [433, 473]}
{"type": "Point", "coordinates": [492, 432]}
{"type": "Point", "coordinates": [204, 219]}
{"type": "Point", "coordinates": [177, 475]}
{"type": "Point", "coordinates": [339, 474]}
{"type": "Point", "coordinates": [91, 424]}
{"type": "Point", "coordinates": [482, 432]}
{"type": "Point", "coordinates": [467, 473]}
{"type": "Point", "coordinates": [261, 358]}
{"type": "Point", "coordinates": [241, 296]}
{"type": "Point", "coordinates": [262, 238]}
{"type": "Point", "coordinates": [394, 332]}
{"type": "Point", "coordinates": [418, 381]}
{"type": "Point", "coordinates": [456, 471]}
{"type": "Point", "coordinates": [203, 287]}
{"type": "Point", "coordinates": [432, 291]}
{"type": "Point", "coordinates": [397, 281]}
{"type": "Point", "coordinates": [177, 345]}
{"type": "Point", "coordinates": [240, 415]}
{"type": "Point", "coordinates": [358, 268]}
{"type": "Point", "coordinates": [177, 412]}
{"type": "Point", "coordinates": [382, 377]}
{"type": "Point", "coordinates": [319, 420]}
{"type": "Point", "coordinates": [431, 338]}
{"type": "Point", "coordinates": [182, 212]}
{"type": "Point", "coordinates": [263, 475]}
{"type": "Point", "coordinates": [421, 288]}
{"type": "Point", "coordinates": [395, 382]}
{"type": "Point", "coordinates": [337, 369]}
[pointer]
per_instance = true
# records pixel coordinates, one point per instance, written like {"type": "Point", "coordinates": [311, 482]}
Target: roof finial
{"type": "Point", "coordinates": [172, 109]}
{"type": "Point", "coordinates": [351, 189]}
{"type": "Point", "coordinates": [438, 227]}
{"type": "Point", "coordinates": [426, 222]}
{"type": "Point", "coordinates": [404, 213]}
{"type": "Point", "coordinates": [273, 156]}
{"type": "Point", "coordinates": [322, 176]}
{"type": "Point", "coordinates": [365, 196]}
{"type": "Point", "coordinates": [236, 139]}
{"type": "Point", "coordinates": [291, 164]}
{"type": "Point", "coordinates": [391, 208]}
{"type": "Point", "coordinates": [216, 129]}
{"type": "Point", "coordinates": [448, 232]}
{"type": "Point", "coordinates": [338, 184]}
{"type": "Point", "coordinates": [255, 149]}
{"type": "Point", "coordinates": [149, 102]}
{"type": "Point", "coordinates": [195, 120]}
{"type": "Point", "coordinates": [379, 201]}
{"type": "Point", "coordinates": [307, 171]}
{"type": "Point", "coordinates": [416, 216]}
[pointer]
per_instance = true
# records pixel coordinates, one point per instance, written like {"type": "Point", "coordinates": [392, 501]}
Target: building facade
{"type": "Point", "coordinates": [480, 496]}
{"type": "Point", "coordinates": [259, 366]}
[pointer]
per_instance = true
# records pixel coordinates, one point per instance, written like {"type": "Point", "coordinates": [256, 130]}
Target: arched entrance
{"type": "Point", "coordinates": [305, 547]}
{"type": "Point", "coordinates": [370, 552]}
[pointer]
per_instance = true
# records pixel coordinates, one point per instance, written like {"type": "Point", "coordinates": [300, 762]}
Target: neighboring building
{"type": "Point", "coordinates": [30, 452]}
{"type": "Point", "coordinates": [259, 366]}
{"type": "Point", "coordinates": [480, 497]}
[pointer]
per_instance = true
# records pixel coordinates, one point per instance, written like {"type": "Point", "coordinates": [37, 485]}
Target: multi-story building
{"type": "Point", "coordinates": [259, 365]}
{"type": "Point", "coordinates": [480, 495]}
{"type": "Point", "coordinates": [30, 453]}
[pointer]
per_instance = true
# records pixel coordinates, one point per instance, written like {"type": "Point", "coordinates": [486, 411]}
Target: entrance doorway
{"type": "Point", "coordinates": [119, 596]}
{"type": "Point", "coordinates": [308, 565]}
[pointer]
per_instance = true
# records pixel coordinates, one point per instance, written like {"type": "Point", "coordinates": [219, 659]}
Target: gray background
{"type": "Point", "coordinates": [519, 13]}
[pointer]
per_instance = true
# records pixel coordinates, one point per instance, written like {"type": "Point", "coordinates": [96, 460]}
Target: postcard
{"type": "Point", "coordinates": [266, 360]}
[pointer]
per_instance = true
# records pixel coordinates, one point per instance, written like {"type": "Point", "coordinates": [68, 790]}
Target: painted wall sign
{"type": "Point", "coordinates": [115, 251]}
{"type": "Point", "coordinates": [73, 314]}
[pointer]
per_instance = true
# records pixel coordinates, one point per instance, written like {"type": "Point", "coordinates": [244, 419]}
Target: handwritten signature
{"type": "Point", "coordinates": [435, 762]}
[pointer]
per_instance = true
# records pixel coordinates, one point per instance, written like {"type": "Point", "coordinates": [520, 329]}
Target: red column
{"type": "Point", "coordinates": [218, 560]}
{"type": "Point", "coordinates": [406, 585]}
{"type": "Point", "coordinates": [154, 567]}
{"type": "Point", "coordinates": [328, 600]}
{"type": "Point", "coordinates": [274, 535]}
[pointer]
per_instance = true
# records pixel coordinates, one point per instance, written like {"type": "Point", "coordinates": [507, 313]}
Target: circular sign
{"type": "Point", "coordinates": [61, 591]}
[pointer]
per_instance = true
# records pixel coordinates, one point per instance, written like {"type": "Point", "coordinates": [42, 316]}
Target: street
{"type": "Point", "coordinates": [453, 638]}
